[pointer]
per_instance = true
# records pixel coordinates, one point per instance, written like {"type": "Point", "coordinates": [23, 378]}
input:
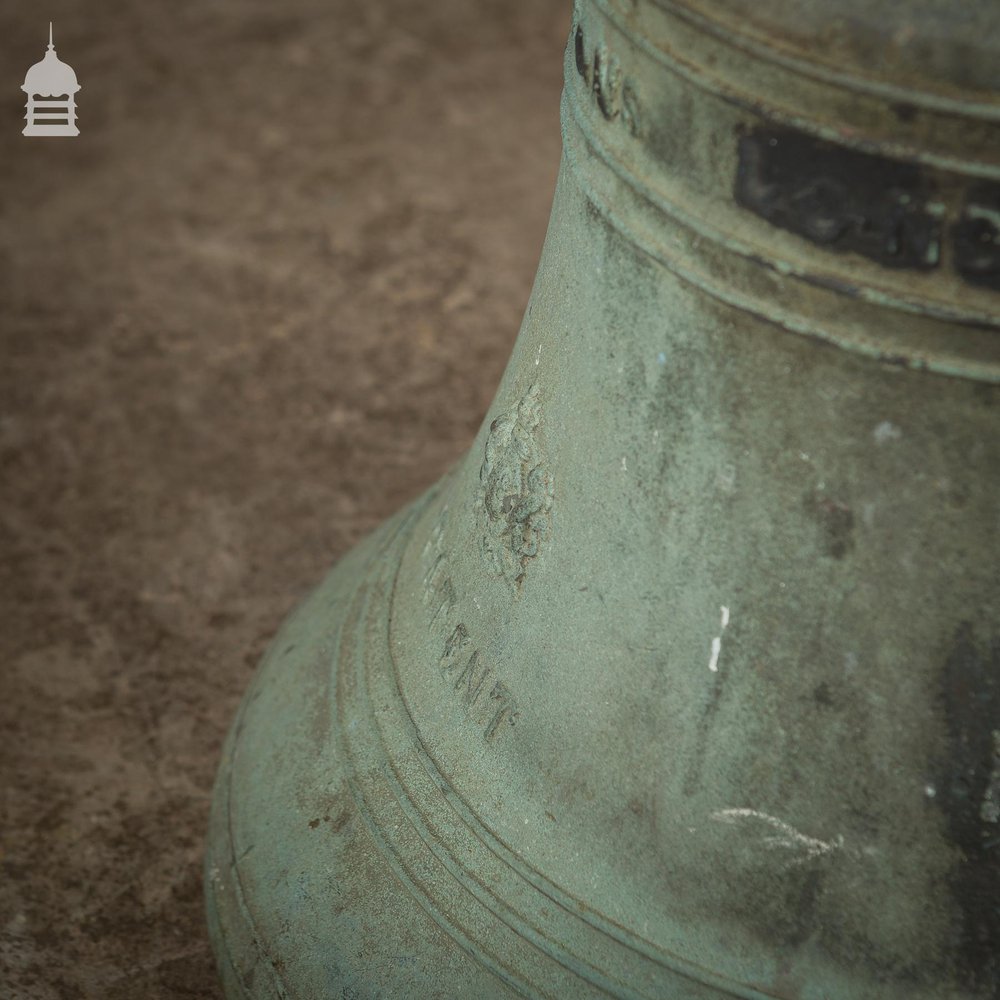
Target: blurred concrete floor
{"type": "Point", "coordinates": [262, 300]}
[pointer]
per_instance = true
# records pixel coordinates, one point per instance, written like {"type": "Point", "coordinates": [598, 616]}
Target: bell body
{"type": "Point", "coordinates": [685, 681]}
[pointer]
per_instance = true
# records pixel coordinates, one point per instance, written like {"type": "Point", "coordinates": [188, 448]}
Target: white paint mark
{"type": "Point", "coordinates": [930, 791]}
{"type": "Point", "coordinates": [624, 466]}
{"type": "Point", "coordinates": [713, 661]}
{"type": "Point", "coordinates": [803, 456]}
{"type": "Point", "coordinates": [786, 836]}
{"type": "Point", "coordinates": [886, 432]}
{"type": "Point", "coordinates": [538, 356]}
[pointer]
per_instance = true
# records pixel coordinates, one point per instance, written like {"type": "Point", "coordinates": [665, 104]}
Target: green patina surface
{"type": "Point", "coordinates": [685, 682]}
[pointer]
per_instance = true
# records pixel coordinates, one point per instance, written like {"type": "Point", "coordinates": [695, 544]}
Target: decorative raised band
{"type": "Point", "coordinates": [886, 255]}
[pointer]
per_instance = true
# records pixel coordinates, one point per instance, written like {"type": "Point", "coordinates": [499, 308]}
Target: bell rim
{"type": "Point", "coordinates": [644, 969]}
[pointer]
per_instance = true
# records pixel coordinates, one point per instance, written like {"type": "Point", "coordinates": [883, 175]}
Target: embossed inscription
{"type": "Point", "coordinates": [486, 699]}
{"type": "Point", "coordinates": [438, 589]}
{"type": "Point", "coordinates": [612, 90]}
{"type": "Point", "coordinates": [515, 491]}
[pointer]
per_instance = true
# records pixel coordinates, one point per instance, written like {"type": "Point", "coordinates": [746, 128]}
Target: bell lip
{"type": "Point", "coordinates": [612, 960]}
{"type": "Point", "coordinates": [230, 930]}
{"type": "Point", "coordinates": [241, 945]}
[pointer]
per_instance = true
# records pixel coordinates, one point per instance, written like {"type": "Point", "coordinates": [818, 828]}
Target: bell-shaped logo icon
{"type": "Point", "coordinates": [51, 86]}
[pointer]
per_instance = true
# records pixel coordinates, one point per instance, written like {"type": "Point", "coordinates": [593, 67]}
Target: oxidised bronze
{"type": "Point", "coordinates": [685, 683]}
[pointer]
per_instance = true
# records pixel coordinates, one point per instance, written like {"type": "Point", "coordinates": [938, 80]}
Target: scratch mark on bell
{"type": "Point", "coordinates": [713, 661]}
{"type": "Point", "coordinates": [786, 836]}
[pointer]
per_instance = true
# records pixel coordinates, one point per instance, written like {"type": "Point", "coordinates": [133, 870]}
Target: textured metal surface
{"type": "Point", "coordinates": [684, 682]}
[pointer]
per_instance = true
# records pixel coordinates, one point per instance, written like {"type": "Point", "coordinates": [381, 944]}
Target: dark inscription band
{"type": "Point", "coordinates": [888, 211]}
{"type": "Point", "coordinates": [841, 199]}
{"type": "Point", "coordinates": [976, 237]}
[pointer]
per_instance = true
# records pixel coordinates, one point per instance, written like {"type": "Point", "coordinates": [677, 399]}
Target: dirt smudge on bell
{"type": "Point", "coordinates": [836, 522]}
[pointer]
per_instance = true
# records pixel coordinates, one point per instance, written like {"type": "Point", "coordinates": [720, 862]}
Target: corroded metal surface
{"type": "Point", "coordinates": [685, 682]}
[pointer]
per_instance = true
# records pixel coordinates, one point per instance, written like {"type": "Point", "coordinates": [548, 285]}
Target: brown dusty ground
{"type": "Point", "coordinates": [261, 301]}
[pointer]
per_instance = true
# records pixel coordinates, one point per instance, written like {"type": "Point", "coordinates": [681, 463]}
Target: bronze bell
{"type": "Point", "coordinates": [685, 682]}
